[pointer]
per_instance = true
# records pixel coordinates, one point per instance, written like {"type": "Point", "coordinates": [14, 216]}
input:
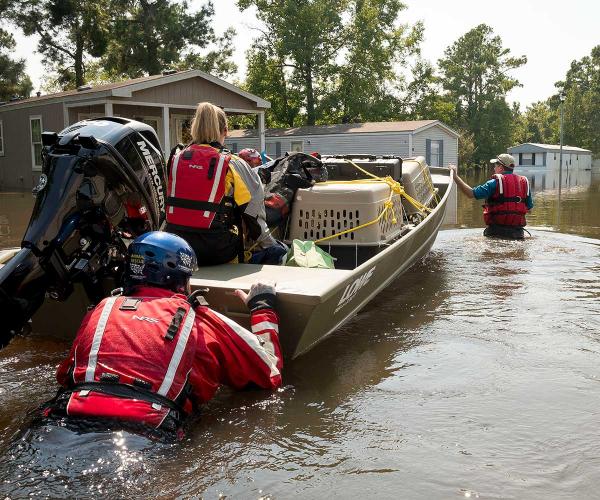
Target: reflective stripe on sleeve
{"type": "Point", "coordinates": [253, 342]}
{"type": "Point", "coordinates": [265, 325]}
{"type": "Point", "coordinates": [177, 353]}
{"type": "Point", "coordinates": [98, 334]}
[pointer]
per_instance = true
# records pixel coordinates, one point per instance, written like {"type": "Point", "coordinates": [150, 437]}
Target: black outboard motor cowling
{"type": "Point", "coordinates": [102, 182]}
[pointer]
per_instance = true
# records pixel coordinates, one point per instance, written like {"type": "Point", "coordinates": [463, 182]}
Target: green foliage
{"type": "Point", "coordinates": [217, 61]}
{"type": "Point", "coordinates": [368, 85]}
{"type": "Point", "coordinates": [582, 104]}
{"type": "Point", "coordinates": [303, 36]}
{"type": "Point", "coordinates": [13, 79]}
{"type": "Point", "coordinates": [475, 73]}
{"type": "Point", "coordinates": [70, 33]}
{"type": "Point", "coordinates": [466, 148]}
{"type": "Point", "coordinates": [266, 77]}
{"type": "Point", "coordinates": [538, 124]}
{"type": "Point", "coordinates": [425, 98]}
{"type": "Point", "coordinates": [329, 60]}
{"type": "Point", "coordinates": [149, 36]}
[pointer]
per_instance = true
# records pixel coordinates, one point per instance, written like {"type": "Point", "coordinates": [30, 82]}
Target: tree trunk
{"type": "Point", "coordinates": [79, 76]}
{"type": "Point", "coordinates": [152, 65]}
{"type": "Point", "coordinates": [310, 96]}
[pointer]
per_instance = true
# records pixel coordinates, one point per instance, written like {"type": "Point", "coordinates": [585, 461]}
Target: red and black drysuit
{"type": "Point", "coordinates": [150, 358]}
{"type": "Point", "coordinates": [210, 191]}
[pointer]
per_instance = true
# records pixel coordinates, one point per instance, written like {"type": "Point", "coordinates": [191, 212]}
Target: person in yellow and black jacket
{"type": "Point", "coordinates": [211, 191]}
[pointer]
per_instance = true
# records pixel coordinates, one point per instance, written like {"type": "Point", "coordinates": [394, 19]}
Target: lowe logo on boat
{"type": "Point", "coordinates": [153, 173]}
{"type": "Point", "coordinates": [353, 288]}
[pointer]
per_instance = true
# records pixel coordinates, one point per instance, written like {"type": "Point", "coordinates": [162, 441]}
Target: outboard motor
{"type": "Point", "coordinates": [102, 183]}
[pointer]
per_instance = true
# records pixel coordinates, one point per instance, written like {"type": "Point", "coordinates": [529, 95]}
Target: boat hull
{"type": "Point", "coordinates": [312, 303]}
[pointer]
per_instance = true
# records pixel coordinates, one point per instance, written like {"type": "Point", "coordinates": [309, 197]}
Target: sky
{"type": "Point", "coordinates": [551, 33]}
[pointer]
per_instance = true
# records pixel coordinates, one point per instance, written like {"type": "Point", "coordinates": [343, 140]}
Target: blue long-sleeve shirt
{"type": "Point", "coordinates": [487, 189]}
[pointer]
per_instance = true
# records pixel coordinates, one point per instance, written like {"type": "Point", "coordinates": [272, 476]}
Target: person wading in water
{"type": "Point", "coordinates": [144, 360]}
{"type": "Point", "coordinates": [508, 199]}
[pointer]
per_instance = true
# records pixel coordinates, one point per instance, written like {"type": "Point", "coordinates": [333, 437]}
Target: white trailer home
{"type": "Point", "coordinates": [432, 139]}
{"type": "Point", "coordinates": [547, 156]}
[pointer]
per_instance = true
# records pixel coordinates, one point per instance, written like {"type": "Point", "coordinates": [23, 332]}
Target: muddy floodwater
{"type": "Point", "coordinates": [476, 374]}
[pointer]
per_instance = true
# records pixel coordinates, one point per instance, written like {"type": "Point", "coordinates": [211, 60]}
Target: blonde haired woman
{"type": "Point", "coordinates": [210, 191]}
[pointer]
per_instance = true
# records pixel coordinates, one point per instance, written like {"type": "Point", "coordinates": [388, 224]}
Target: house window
{"type": "Point", "coordinates": [298, 146]}
{"type": "Point", "coordinates": [554, 156]}
{"type": "Point", "coordinates": [435, 154]}
{"type": "Point", "coordinates": [35, 124]}
{"type": "Point", "coordinates": [183, 127]}
{"type": "Point", "coordinates": [1, 138]}
{"type": "Point", "coordinates": [234, 147]}
{"type": "Point", "coordinates": [527, 159]}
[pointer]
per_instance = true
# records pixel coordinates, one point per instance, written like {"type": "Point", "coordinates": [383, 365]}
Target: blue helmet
{"type": "Point", "coordinates": [160, 259]}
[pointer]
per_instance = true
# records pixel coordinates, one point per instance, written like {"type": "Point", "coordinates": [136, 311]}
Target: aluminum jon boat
{"type": "Point", "coordinates": [312, 303]}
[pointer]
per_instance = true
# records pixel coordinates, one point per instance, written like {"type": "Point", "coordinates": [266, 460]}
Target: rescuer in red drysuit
{"type": "Point", "coordinates": [149, 357]}
{"type": "Point", "coordinates": [508, 199]}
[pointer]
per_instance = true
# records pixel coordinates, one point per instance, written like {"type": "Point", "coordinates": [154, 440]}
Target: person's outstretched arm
{"type": "Point", "coordinates": [248, 357]}
{"type": "Point", "coordinates": [462, 185]}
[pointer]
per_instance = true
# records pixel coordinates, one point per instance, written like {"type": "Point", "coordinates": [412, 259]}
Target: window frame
{"type": "Point", "coordinates": [301, 150]}
{"type": "Point", "coordinates": [176, 119]}
{"type": "Point", "coordinates": [1, 138]}
{"type": "Point", "coordinates": [159, 123]}
{"type": "Point", "coordinates": [32, 144]}
{"type": "Point", "coordinates": [438, 155]}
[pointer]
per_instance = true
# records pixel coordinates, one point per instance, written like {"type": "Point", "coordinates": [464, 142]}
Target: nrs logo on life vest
{"type": "Point", "coordinates": [353, 288]}
{"type": "Point", "coordinates": [156, 180]}
{"type": "Point", "coordinates": [145, 318]}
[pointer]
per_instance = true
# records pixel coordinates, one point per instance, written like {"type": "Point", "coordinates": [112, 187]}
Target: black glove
{"type": "Point", "coordinates": [261, 296]}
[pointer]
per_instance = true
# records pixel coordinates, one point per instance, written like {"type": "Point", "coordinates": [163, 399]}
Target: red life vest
{"type": "Point", "coordinates": [196, 197]}
{"type": "Point", "coordinates": [155, 339]}
{"type": "Point", "coordinates": [507, 205]}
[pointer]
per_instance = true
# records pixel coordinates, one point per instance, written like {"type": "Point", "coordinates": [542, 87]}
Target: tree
{"type": "Point", "coordinates": [266, 77]}
{"type": "Point", "coordinates": [217, 62]}
{"type": "Point", "coordinates": [582, 104]}
{"type": "Point", "coordinates": [13, 79]}
{"type": "Point", "coordinates": [466, 148]}
{"type": "Point", "coordinates": [539, 124]}
{"type": "Point", "coordinates": [369, 86]}
{"type": "Point", "coordinates": [149, 36]}
{"type": "Point", "coordinates": [304, 36]}
{"type": "Point", "coordinates": [340, 55]}
{"type": "Point", "coordinates": [425, 98]}
{"type": "Point", "coordinates": [70, 32]}
{"type": "Point", "coordinates": [475, 73]}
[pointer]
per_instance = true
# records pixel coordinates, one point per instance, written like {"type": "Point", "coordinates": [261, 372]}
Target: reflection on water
{"type": "Point", "coordinates": [475, 374]}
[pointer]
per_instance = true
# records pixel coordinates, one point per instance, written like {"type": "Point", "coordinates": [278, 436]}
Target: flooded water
{"type": "Point", "coordinates": [475, 375]}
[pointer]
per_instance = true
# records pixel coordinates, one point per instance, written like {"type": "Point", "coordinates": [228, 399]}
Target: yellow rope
{"type": "Point", "coordinates": [395, 188]}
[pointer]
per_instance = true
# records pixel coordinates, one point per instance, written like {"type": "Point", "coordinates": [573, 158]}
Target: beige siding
{"type": "Point", "coordinates": [74, 113]}
{"type": "Point", "coordinates": [436, 133]}
{"type": "Point", "coordinates": [192, 91]}
{"type": "Point", "coordinates": [128, 111]}
{"type": "Point", "coordinates": [16, 164]}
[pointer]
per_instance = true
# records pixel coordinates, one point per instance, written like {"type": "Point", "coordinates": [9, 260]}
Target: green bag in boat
{"type": "Point", "coordinates": [307, 254]}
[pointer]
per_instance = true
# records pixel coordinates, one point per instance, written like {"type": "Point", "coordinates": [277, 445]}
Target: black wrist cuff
{"type": "Point", "coordinates": [262, 301]}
